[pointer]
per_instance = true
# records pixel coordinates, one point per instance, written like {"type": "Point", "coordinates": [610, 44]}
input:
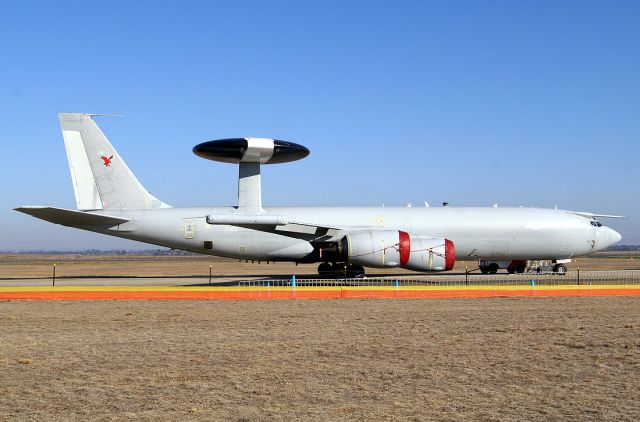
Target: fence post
{"type": "Point", "coordinates": [53, 280]}
{"type": "Point", "coordinates": [578, 276]}
{"type": "Point", "coordinates": [466, 275]}
{"type": "Point", "coordinates": [209, 274]}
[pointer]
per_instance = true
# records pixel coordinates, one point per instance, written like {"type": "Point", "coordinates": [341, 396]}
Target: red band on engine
{"type": "Point", "coordinates": [405, 247]}
{"type": "Point", "coordinates": [449, 255]}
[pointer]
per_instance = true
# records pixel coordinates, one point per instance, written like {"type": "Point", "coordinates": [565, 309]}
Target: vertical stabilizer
{"type": "Point", "coordinates": [101, 179]}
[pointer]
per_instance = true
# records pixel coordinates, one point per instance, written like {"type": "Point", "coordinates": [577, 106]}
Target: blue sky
{"type": "Point", "coordinates": [530, 103]}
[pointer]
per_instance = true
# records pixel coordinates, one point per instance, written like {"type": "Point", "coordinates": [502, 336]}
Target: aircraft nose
{"type": "Point", "coordinates": [608, 237]}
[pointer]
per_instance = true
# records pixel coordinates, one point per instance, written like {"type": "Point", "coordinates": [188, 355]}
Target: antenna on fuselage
{"type": "Point", "coordinates": [249, 153]}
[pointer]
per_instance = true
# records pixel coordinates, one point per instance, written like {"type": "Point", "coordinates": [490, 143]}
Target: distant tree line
{"type": "Point", "coordinates": [112, 252]}
{"type": "Point", "coordinates": [623, 248]}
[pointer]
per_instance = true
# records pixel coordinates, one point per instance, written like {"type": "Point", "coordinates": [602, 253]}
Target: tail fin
{"type": "Point", "coordinates": [101, 179]}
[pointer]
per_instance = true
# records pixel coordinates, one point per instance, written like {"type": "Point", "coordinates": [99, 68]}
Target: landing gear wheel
{"type": "Point", "coordinates": [326, 270]}
{"type": "Point", "coordinates": [355, 271]}
{"type": "Point", "coordinates": [340, 270]}
{"type": "Point", "coordinates": [493, 268]}
{"type": "Point", "coordinates": [560, 269]}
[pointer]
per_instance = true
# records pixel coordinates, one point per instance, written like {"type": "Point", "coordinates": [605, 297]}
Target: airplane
{"type": "Point", "coordinates": [343, 240]}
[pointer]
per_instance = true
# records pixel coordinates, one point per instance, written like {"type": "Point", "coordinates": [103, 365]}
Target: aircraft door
{"type": "Point", "coordinates": [189, 230]}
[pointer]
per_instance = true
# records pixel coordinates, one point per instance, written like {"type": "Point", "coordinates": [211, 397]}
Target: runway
{"type": "Point", "coordinates": [289, 293]}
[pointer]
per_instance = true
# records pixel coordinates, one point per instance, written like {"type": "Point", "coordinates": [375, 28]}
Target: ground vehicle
{"type": "Point", "coordinates": [557, 266]}
{"type": "Point", "coordinates": [521, 265]}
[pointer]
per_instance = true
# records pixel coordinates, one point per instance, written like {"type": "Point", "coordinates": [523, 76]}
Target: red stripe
{"type": "Point", "coordinates": [405, 247]}
{"type": "Point", "coordinates": [449, 255]}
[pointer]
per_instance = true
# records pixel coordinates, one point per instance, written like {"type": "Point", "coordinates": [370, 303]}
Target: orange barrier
{"type": "Point", "coordinates": [262, 293]}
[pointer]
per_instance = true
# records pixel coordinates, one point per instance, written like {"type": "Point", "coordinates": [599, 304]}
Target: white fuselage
{"type": "Point", "coordinates": [477, 233]}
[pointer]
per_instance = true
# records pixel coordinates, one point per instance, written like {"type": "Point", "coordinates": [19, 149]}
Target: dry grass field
{"type": "Point", "coordinates": [471, 359]}
{"type": "Point", "coordinates": [40, 266]}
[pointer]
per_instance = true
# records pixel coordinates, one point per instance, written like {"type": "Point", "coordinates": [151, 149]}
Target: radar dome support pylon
{"type": "Point", "coordinates": [249, 188]}
{"type": "Point", "coordinates": [249, 154]}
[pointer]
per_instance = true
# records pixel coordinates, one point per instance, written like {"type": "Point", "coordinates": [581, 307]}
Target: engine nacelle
{"type": "Point", "coordinates": [392, 248]}
{"type": "Point", "coordinates": [374, 248]}
{"type": "Point", "coordinates": [431, 254]}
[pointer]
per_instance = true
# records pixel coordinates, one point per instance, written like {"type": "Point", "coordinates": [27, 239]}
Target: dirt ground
{"type": "Point", "coordinates": [41, 266]}
{"type": "Point", "coordinates": [473, 359]}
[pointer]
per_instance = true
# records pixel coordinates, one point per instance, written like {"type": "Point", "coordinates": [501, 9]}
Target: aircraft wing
{"type": "Point", "coordinates": [591, 215]}
{"type": "Point", "coordinates": [297, 230]}
{"type": "Point", "coordinates": [305, 230]}
{"type": "Point", "coordinates": [71, 218]}
{"type": "Point", "coordinates": [276, 224]}
{"type": "Point", "coordinates": [292, 228]}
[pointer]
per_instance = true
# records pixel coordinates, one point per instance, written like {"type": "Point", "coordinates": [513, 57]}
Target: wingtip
{"type": "Point", "coordinates": [592, 215]}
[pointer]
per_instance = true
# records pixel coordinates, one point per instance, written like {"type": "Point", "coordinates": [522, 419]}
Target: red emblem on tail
{"type": "Point", "coordinates": [107, 161]}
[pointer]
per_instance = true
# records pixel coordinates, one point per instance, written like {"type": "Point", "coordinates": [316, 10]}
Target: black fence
{"type": "Point", "coordinates": [570, 278]}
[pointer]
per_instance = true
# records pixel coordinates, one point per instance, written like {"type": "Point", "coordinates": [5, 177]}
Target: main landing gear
{"type": "Point", "coordinates": [340, 270]}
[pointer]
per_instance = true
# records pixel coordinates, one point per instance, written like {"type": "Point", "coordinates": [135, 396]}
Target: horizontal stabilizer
{"type": "Point", "coordinates": [71, 218]}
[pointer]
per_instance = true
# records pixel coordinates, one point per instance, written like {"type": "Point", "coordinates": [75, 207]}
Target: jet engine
{"type": "Point", "coordinates": [391, 248]}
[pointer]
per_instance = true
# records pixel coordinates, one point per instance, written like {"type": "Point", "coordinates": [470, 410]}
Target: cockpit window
{"type": "Point", "coordinates": [596, 223]}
